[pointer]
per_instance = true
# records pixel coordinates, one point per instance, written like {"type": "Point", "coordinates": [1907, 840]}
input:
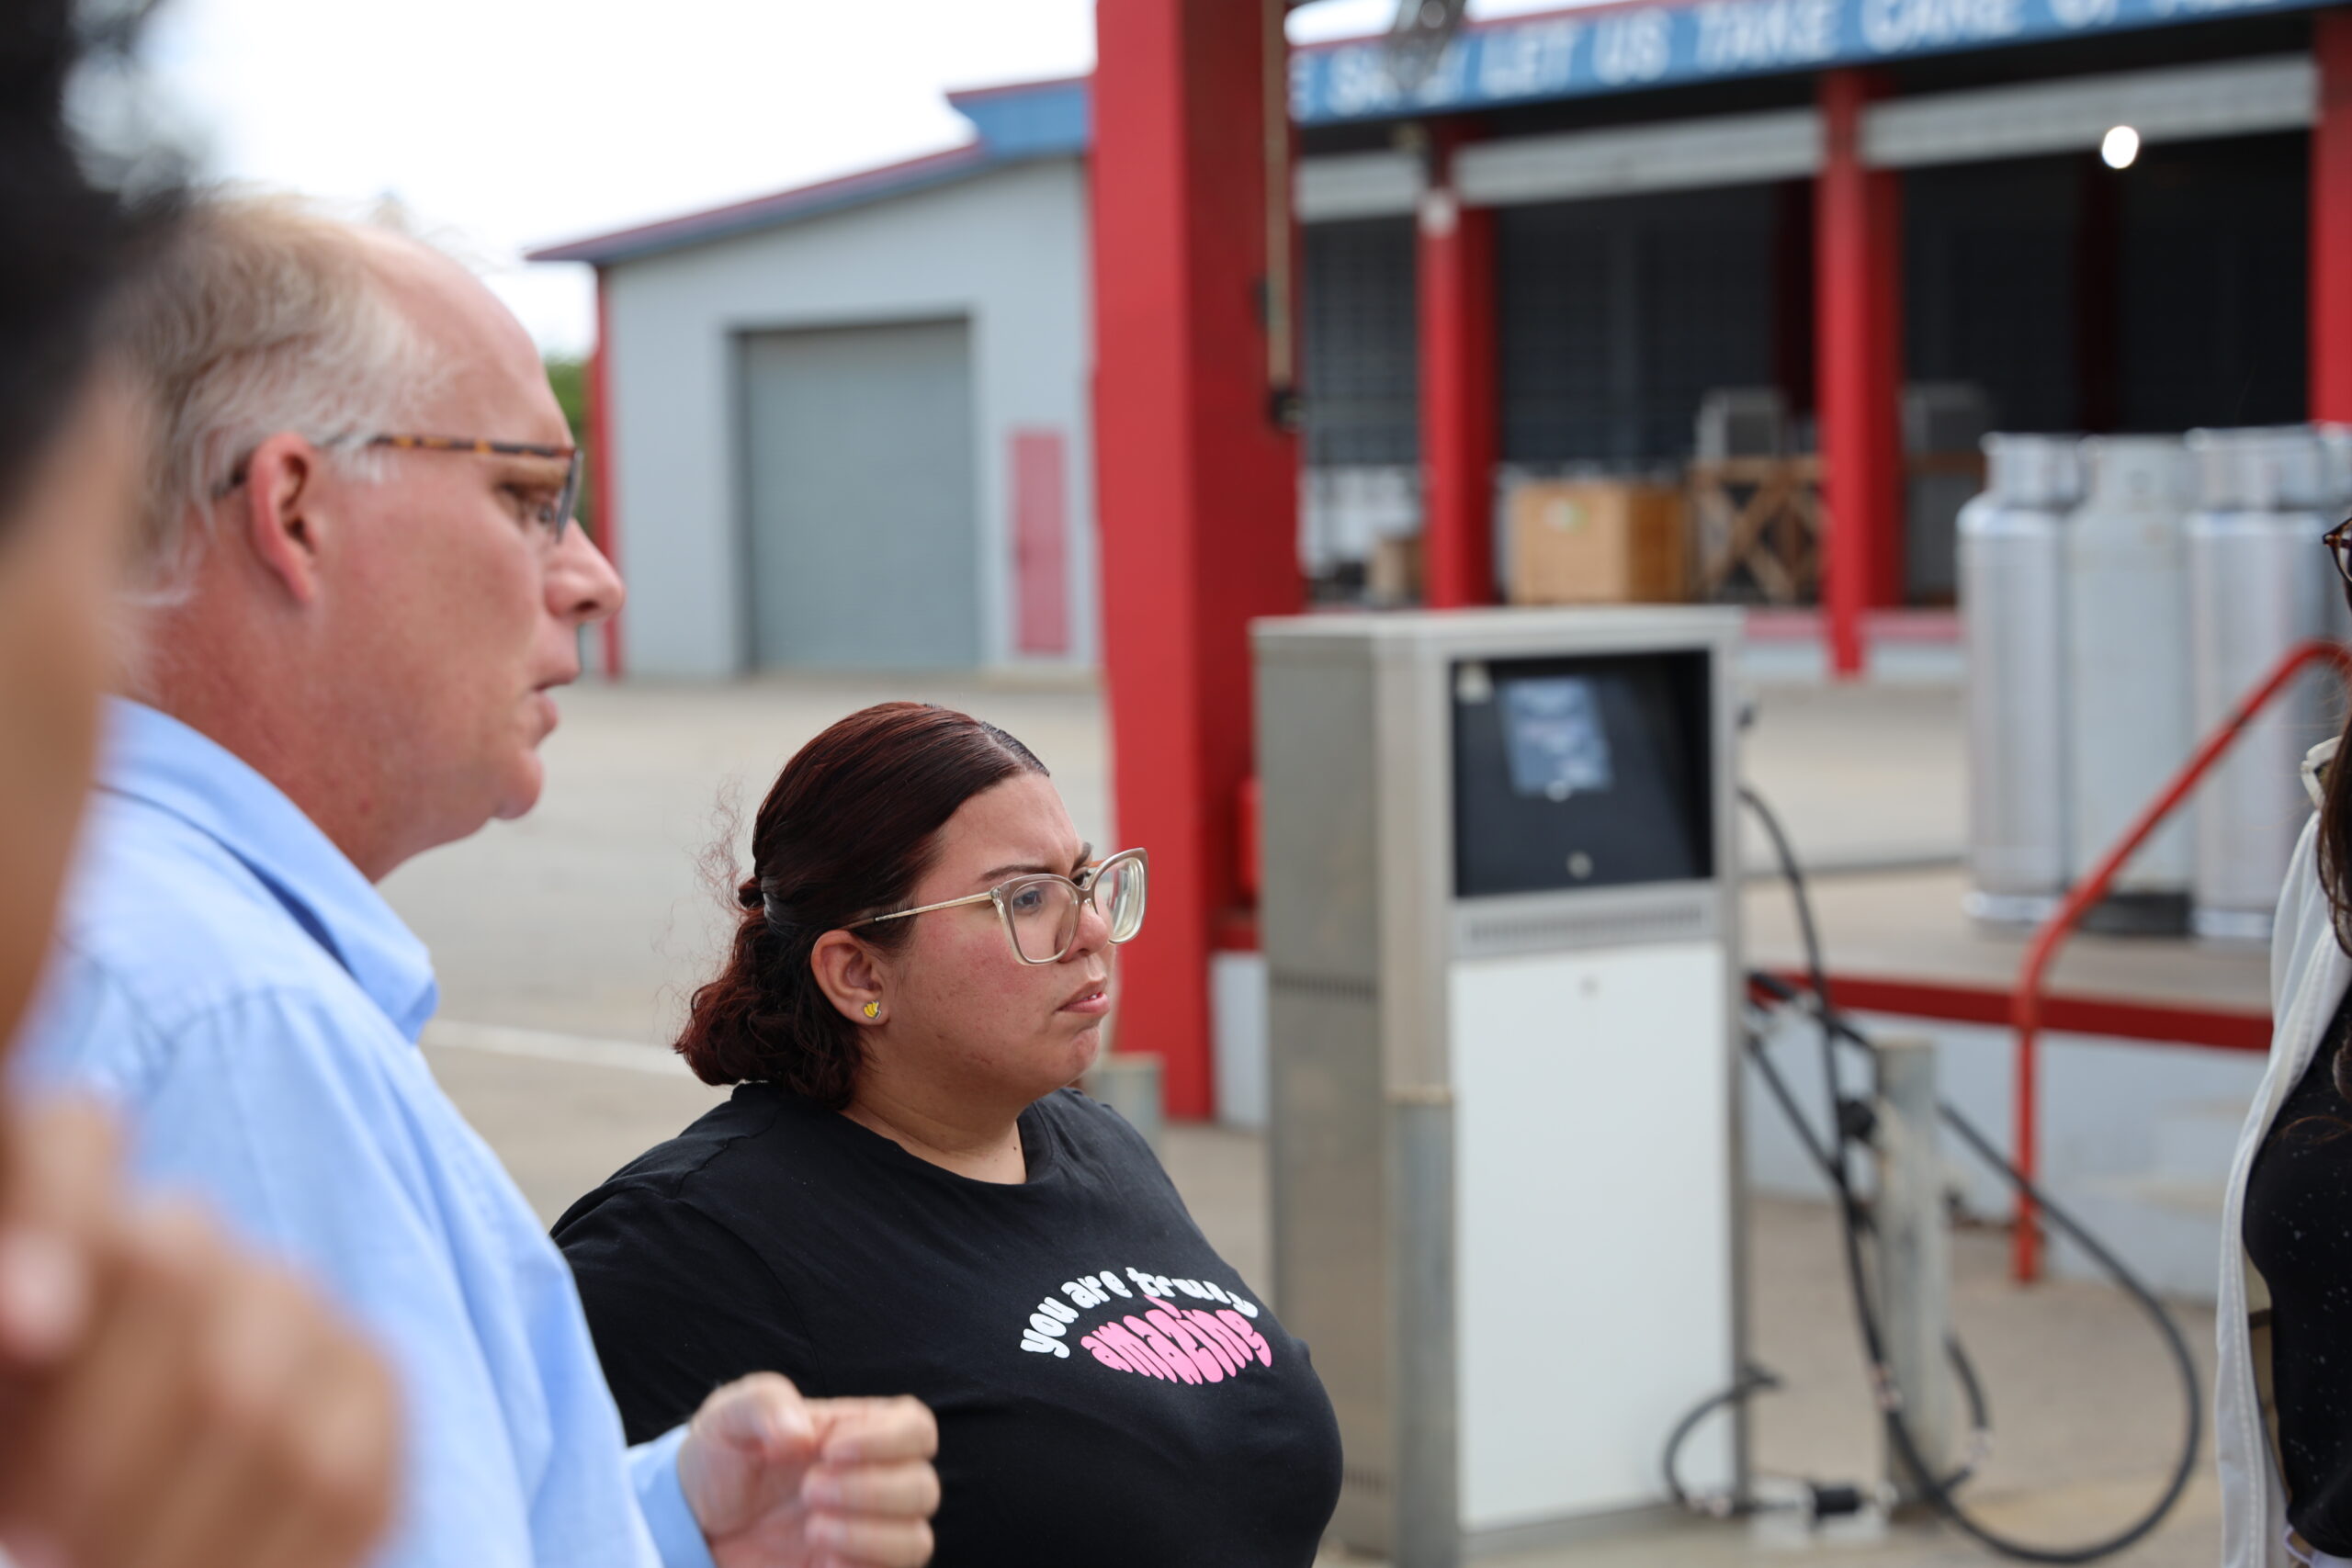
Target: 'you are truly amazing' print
{"type": "Point", "coordinates": [1157, 1336]}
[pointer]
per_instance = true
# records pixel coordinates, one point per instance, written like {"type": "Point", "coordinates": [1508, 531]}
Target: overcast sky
{"type": "Point", "coordinates": [505, 124]}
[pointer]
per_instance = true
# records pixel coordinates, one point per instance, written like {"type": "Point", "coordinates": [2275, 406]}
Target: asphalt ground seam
{"type": "Point", "coordinates": [545, 1046]}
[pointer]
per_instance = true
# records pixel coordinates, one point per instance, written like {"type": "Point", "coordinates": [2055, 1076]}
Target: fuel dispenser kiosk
{"type": "Point", "coordinates": [1499, 917]}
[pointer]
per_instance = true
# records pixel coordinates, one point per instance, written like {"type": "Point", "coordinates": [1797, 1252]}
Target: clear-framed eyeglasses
{"type": "Point", "coordinates": [1042, 912]}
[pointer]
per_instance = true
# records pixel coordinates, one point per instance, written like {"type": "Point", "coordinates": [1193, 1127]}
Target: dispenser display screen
{"type": "Point", "coordinates": [1552, 728]}
{"type": "Point", "coordinates": [1593, 771]}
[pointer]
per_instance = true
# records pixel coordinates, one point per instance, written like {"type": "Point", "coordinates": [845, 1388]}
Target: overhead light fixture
{"type": "Point", "coordinates": [2120, 148]}
{"type": "Point", "coordinates": [1418, 37]}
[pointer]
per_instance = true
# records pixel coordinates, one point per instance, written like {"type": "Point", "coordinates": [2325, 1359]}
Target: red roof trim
{"type": "Point", "coordinates": [710, 222]}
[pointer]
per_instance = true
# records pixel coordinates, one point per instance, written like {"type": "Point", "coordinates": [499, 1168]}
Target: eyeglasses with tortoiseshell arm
{"type": "Point", "coordinates": [553, 516]}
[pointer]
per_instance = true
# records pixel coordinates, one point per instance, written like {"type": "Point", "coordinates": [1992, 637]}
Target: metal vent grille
{"type": "Point", "coordinates": [1362, 346]}
{"type": "Point", "coordinates": [1325, 988]}
{"type": "Point", "coordinates": [1620, 313]}
{"type": "Point", "coordinates": [1517, 934]}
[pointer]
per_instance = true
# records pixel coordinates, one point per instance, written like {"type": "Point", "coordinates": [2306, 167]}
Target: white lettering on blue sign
{"type": "Point", "coordinates": [1633, 46]}
{"type": "Point", "coordinates": [1529, 61]}
{"type": "Point", "coordinates": [1765, 35]}
{"type": "Point", "coordinates": [1892, 27]}
{"type": "Point", "coordinates": [1358, 82]}
{"type": "Point", "coordinates": [1609, 50]}
{"type": "Point", "coordinates": [1448, 79]}
{"type": "Point", "coordinates": [1302, 83]}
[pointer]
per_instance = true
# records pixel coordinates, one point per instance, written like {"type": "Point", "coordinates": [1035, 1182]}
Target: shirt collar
{"type": "Point", "coordinates": [2317, 762]}
{"type": "Point", "coordinates": [153, 757]}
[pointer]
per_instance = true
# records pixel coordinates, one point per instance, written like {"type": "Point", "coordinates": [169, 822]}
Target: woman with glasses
{"type": "Point", "coordinates": [904, 1196]}
{"type": "Point", "coordinates": [2283, 1408]}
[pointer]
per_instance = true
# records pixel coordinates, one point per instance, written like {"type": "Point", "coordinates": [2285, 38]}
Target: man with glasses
{"type": "Point", "coordinates": [357, 592]}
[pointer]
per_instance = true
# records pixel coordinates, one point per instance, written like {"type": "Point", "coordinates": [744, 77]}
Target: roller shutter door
{"type": "Point", "coordinates": [858, 463]}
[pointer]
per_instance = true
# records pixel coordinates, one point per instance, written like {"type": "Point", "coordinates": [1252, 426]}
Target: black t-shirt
{"type": "Point", "coordinates": [2298, 1231]}
{"type": "Point", "coordinates": [1107, 1388]}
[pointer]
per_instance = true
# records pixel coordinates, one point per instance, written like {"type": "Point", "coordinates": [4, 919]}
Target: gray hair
{"type": "Point", "coordinates": [265, 315]}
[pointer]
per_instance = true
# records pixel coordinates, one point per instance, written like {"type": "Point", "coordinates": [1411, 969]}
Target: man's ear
{"type": "Point", "coordinates": [279, 513]}
{"type": "Point", "coordinates": [846, 971]}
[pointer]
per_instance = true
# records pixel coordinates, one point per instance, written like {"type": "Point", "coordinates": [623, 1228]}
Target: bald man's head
{"type": "Point", "coordinates": [267, 316]}
{"type": "Point", "coordinates": [359, 571]}
{"type": "Point", "coordinates": [483, 360]}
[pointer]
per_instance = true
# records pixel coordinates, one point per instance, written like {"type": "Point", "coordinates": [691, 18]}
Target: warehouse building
{"type": "Point", "coordinates": [845, 426]}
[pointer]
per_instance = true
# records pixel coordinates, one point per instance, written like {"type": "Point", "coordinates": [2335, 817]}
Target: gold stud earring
{"type": "Point", "coordinates": [872, 1010]}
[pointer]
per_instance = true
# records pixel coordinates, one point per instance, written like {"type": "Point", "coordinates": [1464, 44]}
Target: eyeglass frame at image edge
{"type": "Point", "coordinates": [1140, 859]}
{"type": "Point", "coordinates": [2336, 539]}
{"type": "Point", "coordinates": [572, 457]}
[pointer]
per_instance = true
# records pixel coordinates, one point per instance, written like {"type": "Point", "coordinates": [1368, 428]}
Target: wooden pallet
{"type": "Point", "coordinates": [1758, 525]}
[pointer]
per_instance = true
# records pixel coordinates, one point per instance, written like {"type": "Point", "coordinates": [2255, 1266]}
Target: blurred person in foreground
{"type": "Point", "coordinates": [164, 1400]}
{"type": "Point", "coordinates": [2282, 1409]}
{"type": "Point", "coordinates": [903, 1193]}
{"type": "Point", "coordinates": [358, 585]}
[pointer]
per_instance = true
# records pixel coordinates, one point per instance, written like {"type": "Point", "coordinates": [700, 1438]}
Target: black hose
{"type": "Point", "coordinates": [1971, 1386]}
{"type": "Point", "coordinates": [1757, 1380]}
{"type": "Point", "coordinates": [1846, 1130]}
{"type": "Point", "coordinates": [1754, 1380]}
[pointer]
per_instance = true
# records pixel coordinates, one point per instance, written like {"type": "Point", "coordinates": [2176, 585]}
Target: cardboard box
{"type": "Point", "coordinates": [1393, 576]}
{"type": "Point", "coordinates": [1598, 542]}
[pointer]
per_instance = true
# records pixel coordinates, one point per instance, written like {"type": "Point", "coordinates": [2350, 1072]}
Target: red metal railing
{"type": "Point", "coordinates": [2025, 1004]}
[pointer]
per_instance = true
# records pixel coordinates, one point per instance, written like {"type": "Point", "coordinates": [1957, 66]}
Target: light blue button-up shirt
{"type": "Point", "coordinates": [251, 1002]}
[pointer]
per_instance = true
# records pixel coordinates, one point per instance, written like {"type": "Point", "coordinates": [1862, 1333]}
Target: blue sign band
{"type": "Point", "coordinates": [1622, 49]}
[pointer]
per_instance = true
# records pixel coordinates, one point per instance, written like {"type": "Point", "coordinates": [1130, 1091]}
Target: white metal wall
{"type": "Point", "coordinates": [1008, 250]}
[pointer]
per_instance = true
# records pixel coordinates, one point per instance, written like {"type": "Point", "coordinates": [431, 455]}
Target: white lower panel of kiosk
{"type": "Point", "coordinates": [1593, 1229]}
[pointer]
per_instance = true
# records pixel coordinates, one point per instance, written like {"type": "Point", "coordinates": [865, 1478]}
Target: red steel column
{"type": "Point", "coordinates": [1858, 280]}
{"type": "Point", "coordinates": [601, 462]}
{"type": "Point", "coordinates": [1196, 483]}
{"type": "Point", "coordinates": [2331, 221]}
{"type": "Point", "coordinates": [1456, 260]}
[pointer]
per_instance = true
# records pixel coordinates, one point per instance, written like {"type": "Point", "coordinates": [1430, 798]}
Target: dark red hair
{"type": "Point", "coordinates": [847, 831]}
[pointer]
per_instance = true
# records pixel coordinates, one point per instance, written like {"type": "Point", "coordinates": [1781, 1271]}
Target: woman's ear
{"type": "Point", "coordinates": [846, 971]}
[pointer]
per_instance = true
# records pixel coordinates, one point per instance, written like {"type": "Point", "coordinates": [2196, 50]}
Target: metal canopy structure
{"type": "Point", "coordinates": [1198, 482]}
{"type": "Point", "coordinates": [1835, 146]}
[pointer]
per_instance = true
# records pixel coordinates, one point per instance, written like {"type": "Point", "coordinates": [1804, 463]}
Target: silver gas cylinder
{"type": "Point", "coordinates": [2259, 585]}
{"type": "Point", "coordinates": [2013, 622]}
{"type": "Point", "coordinates": [2130, 722]}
